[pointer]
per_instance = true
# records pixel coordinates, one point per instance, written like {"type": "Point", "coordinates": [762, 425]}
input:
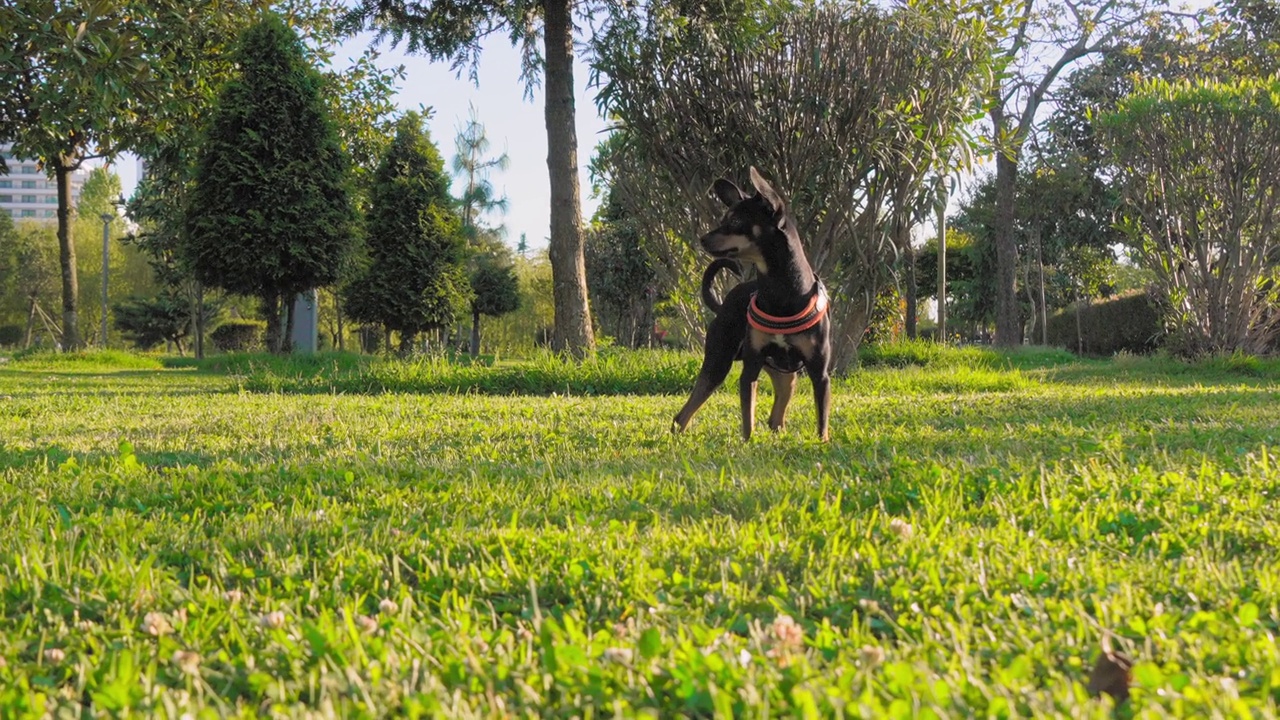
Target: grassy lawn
{"type": "Point", "coordinates": [348, 537]}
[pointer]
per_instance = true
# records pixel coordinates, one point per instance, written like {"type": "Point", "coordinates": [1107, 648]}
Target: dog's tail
{"type": "Point", "coordinates": [709, 277]}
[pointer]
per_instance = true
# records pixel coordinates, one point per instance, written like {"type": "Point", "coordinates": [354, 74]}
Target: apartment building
{"type": "Point", "coordinates": [26, 194]}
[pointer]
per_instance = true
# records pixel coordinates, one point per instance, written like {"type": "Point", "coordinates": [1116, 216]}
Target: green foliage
{"type": "Point", "coordinates": [521, 331]}
{"type": "Point", "coordinates": [87, 361]}
{"type": "Point", "coordinates": [28, 269]}
{"type": "Point", "coordinates": [415, 279]}
{"type": "Point", "coordinates": [606, 373]}
{"type": "Point", "coordinates": [852, 128]}
{"type": "Point", "coordinates": [238, 335]}
{"type": "Point", "coordinates": [1199, 166]}
{"type": "Point", "coordinates": [11, 335]}
{"type": "Point", "coordinates": [472, 167]}
{"type": "Point", "coordinates": [270, 214]}
{"type": "Point", "coordinates": [149, 321]}
{"type": "Point", "coordinates": [1128, 323]}
{"type": "Point", "coordinates": [960, 549]}
{"type": "Point", "coordinates": [621, 276]}
{"type": "Point", "coordinates": [496, 288]}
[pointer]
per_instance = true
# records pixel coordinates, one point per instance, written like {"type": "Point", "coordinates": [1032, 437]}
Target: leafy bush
{"type": "Point", "coordinates": [149, 321]}
{"type": "Point", "coordinates": [238, 335]}
{"type": "Point", "coordinates": [1128, 322]}
{"type": "Point", "coordinates": [11, 334]}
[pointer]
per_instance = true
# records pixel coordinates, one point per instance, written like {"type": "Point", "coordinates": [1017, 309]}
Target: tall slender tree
{"type": "Point", "coordinates": [493, 282]}
{"type": "Point", "coordinates": [453, 30]}
{"type": "Point", "coordinates": [471, 167]}
{"type": "Point", "coordinates": [270, 213]}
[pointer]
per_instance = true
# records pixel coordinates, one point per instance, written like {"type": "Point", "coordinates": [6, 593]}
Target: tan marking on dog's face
{"type": "Point", "coordinates": [727, 244]}
{"type": "Point", "coordinates": [736, 246]}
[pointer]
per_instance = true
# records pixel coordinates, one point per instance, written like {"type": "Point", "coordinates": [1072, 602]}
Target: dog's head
{"type": "Point", "coordinates": [754, 228]}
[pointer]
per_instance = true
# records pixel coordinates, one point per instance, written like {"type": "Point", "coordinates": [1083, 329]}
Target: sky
{"type": "Point", "coordinates": [510, 121]}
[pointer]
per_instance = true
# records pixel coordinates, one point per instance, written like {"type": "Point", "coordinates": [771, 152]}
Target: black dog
{"type": "Point", "coordinates": [777, 323]}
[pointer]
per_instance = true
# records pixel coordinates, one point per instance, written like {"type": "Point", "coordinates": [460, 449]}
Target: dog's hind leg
{"type": "Point", "coordinates": [784, 384]}
{"type": "Point", "coordinates": [715, 368]}
{"type": "Point", "coordinates": [751, 367]}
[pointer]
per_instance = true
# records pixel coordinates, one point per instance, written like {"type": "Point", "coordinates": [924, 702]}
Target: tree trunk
{"type": "Point", "coordinates": [271, 311]}
{"type": "Point", "coordinates": [572, 316]}
{"type": "Point", "coordinates": [1044, 309]}
{"type": "Point", "coordinates": [71, 341]}
{"type": "Point", "coordinates": [1079, 331]}
{"type": "Point", "coordinates": [286, 308]}
{"type": "Point", "coordinates": [199, 322]}
{"type": "Point", "coordinates": [1033, 321]}
{"type": "Point", "coordinates": [337, 310]}
{"type": "Point", "coordinates": [475, 332]}
{"type": "Point", "coordinates": [31, 324]}
{"type": "Point", "coordinates": [912, 291]}
{"type": "Point", "coordinates": [406, 342]}
{"type": "Point", "coordinates": [1008, 327]}
{"type": "Point", "coordinates": [942, 267]}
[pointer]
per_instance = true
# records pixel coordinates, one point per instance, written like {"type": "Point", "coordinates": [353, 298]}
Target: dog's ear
{"type": "Point", "coordinates": [770, 196]}
{"type": "Point", "coordinates": [729, 193]}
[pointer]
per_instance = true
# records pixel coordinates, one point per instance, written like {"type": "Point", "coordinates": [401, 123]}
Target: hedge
{"type": "Point", "coordinates": [238, 335]}
{"type": "Point", "coordinates": [1127, 322]}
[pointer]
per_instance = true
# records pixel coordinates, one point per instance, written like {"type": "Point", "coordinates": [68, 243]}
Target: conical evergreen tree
{"type": "Point", "coordinates": [270, 214]}
{"type": "Point", "coordinates": [415, 279]}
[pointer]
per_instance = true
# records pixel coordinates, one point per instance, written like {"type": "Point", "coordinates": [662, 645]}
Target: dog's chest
{"type": "Point", "coordinates": [779, 352]}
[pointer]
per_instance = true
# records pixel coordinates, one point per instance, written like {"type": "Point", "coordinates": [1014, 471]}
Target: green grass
{"type": "Point", "coordinates": [183, 539]}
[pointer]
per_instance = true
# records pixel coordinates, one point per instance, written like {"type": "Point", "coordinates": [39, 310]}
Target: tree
{"type": "Point", "coordinates": [270, 213]}
{"type": "Point", "coordinates": [85, 80]}
{"type": "Point", "coordinates": [453, 30]}
{"type": "Point", "coordinates": [620, 275]}
{"type": "Point", "coordinates": [494, 287]}
{"type": "Point", "coordinates": [496, 292]}
{"type": "Point", "coordinates": [1199, 167]}
{"type": "Point", "coordinates": [414, 279]}
{"type": "Point", "coordinates": [163, 318]}
{"type": "Point", "coordinates": [1045, 40]}
{"type": "Point", "coordinates": [29, 272]}
{"type": "Point", "coordinates": [472, 167]}
{"type": "Point", "coordinates": [852, 127]}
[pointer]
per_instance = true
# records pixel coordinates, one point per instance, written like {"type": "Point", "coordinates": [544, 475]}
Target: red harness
{"type": "Point", "coordinates": [801, 321]}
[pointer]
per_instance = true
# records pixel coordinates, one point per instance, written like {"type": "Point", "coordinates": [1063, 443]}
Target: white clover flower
{"type": "Point", "coordinates": [901, 528]}
{"type": "Point", "coordinates": [188, 661]}
{"type": "Point", "coordinates": [621, 656]}
{"type": "Point", "coordinates": [156, 624]}
{"type": "Point", "coordinates": [272, 620]}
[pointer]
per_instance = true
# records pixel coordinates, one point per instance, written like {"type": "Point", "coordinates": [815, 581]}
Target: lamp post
{"type": "Point", "coordinates": [106, 249]}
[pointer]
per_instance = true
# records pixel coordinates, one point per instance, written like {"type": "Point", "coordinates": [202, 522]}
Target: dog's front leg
{"type": "Point", "coordinates": [784, 384]}
{"type": "Point", "coordinates": [819, 371]}
{"type": "Point", "coordinates": [747, 393]}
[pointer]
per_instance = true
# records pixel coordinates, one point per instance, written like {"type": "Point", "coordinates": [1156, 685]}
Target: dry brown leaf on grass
{"type": "Point", "coordinates": [1111, 675]}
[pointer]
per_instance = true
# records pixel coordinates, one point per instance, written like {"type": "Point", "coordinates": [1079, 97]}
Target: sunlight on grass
{"type": "Point", "coordinates": [456, 540]}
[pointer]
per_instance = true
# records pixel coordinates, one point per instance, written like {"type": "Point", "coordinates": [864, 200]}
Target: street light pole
{"type": "Point", "coordinates": [106, 255]}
